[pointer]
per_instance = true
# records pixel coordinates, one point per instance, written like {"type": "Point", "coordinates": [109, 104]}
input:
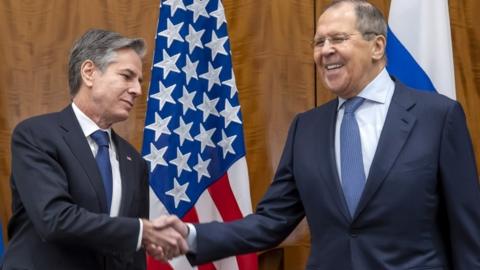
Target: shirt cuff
{"type": "Point", "coordinates": [140, 234]}
{"type": "Point", "coordinates": [192, 238]}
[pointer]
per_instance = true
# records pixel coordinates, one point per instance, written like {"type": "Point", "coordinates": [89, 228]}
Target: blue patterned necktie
{"type": "Point", "coordinates": [103, 162]}
{"type": "Point", "coordinates": [353, 174]}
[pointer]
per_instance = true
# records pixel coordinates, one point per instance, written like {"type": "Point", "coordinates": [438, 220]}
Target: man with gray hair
{"type": "Point", "coordinates": [80, 191]}
{"type": "Point", "coordinates": [384, 174]}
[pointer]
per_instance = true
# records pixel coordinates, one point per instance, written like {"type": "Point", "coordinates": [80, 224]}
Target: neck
{"type": "Point", "coordinates": [368, 78]}
{"type": "Point", "coordinates": [89, 109]}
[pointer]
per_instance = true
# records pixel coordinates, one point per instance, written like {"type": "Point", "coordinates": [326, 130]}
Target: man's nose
{"type": "Point", "coordinates": [327, 48]}
{"type": "Point", "coordinates": [136, 88]}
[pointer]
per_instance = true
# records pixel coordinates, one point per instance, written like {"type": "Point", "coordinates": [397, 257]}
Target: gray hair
{"type": "Point", "coordinates": [370, 20]}
{"type": "Point", "coordinates": [100, 47]}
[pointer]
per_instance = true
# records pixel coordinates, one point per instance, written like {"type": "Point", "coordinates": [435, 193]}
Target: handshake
{"type": "Point", "coordinates": [164, 238]}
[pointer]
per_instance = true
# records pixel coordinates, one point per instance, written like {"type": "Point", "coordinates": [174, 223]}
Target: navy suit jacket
{"type": "Point", "coordinates": [420, 208]}
{"type": "Point", "coordinates": [59, 217]}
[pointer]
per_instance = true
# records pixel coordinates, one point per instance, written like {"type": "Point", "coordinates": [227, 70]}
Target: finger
{"type": "Point", "coordinates": [155, 251]}
{"type": "Point", "coordinates": [175, 251]}
{"type": "Point", "coordinates": [170, 236]}
{"type": "Point", "coordinates": [163, 222]}
{"type": "Point", "coordinates": [183, 246]}
{"type": "Point", "coordinates": [181, 227]}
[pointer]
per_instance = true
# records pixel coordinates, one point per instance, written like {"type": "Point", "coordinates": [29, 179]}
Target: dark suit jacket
{"type": "Point", "coordinates": [420, 208]}
{"type": "Point", "coordinates": [59, 217]}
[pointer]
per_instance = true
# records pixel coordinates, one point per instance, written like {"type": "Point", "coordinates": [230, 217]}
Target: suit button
{"type": "Point", "coordinates": [353, 233]}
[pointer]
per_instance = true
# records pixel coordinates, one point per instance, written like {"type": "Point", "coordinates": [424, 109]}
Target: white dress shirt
{"type": "Point", "coordinates": [88, 126]}
{"type": "Point", "coordinates": [370, 117]}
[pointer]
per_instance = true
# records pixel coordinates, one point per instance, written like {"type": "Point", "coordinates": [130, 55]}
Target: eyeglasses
{"type": "Point", "coordinates": [337, 39]}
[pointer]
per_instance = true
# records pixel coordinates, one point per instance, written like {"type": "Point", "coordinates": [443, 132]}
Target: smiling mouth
{"type": "Point", "coordinates": [333, 66]}
{"type": "Point", "coordinates": [130, 104]}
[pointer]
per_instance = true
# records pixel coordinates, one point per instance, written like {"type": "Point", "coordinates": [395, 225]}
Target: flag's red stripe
{"type": "Point", "coordinates": [247, 261]}
{"type": "Point", "coordinates": [153, 264]}
{"type": "Point", "coordinates": [222, 194]}
{"type": "Point", "coordinates": [191, 216]}
{"type": "Point", "coordinates": [225, 201]}
{"type": "Point", "coordinates": [207, 266]}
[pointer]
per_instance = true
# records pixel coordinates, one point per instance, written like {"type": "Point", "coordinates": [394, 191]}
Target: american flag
{"type": "Point", "coordinates": [193, 136]}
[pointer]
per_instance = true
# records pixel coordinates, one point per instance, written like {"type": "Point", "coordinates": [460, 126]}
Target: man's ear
{"type": "Point", "coordinates": [87, 70]}
{"type": "Point", "coordinates": [378, 48]}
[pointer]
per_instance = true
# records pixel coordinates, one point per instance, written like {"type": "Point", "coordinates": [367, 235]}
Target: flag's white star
{"type": "Point", "coordinates": [230, 114]}
{"type": "Point", "coordinates": [160, 126]}
{"type": "Point", "coordinates": [233, 85]}
{"type": "Point", "coordinates": [194, 38]}
{"type": "Point", "coordinates": [216, 45]}
{"type": "Point", "coordinates": [202, 168]}
{"type": "Point", "coordinates": [212, 76]}
{"type": "Point", "coordinates": [199, 7]}
{"type": "Point", "coordinates": [172, 32]}
{"type": "Point", "coordinates": [190, 69]}
{"type": "Point", "coordinates": [168, 64]}
{"type": "Point", "coordinates": [174, 5]}
{"type": "Point", "coordinates": [183, 131]}
{"type": "Point", "coordinates": [181, 161]}
{"type": "Point", "coordinates": [164, 94]}
{"type": "Point", "coordinates": [156, 157]}
{"type": "Point", "coordinates": [205, 137]}
{"type": "Point", "coordinates": [208, 107]}
{"type": "Point", "coordinates": [219, 14]}
{"type": "Point", "coordinates": [226, 144]}
{"type": "Point", "coordinates": [178, 192]}
{"type": "Point", "coordinates": [187, 100]}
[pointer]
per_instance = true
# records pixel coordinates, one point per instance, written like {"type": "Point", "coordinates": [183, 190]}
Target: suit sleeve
{"type": "Point", "coordinates": [279, 211]}
{"type": "Point", "coordinates": [461, 191]}
{"type": "Point", "coordinates": [42, 187]}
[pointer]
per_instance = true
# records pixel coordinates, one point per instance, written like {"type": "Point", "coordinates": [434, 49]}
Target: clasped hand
{"type": "Point", "coordinates": [164, 238]}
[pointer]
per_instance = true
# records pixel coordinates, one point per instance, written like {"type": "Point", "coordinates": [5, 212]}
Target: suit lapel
{"type": "Point", "coordinates": [329, 168]}
{"type": "Point", "coordinates": [396, 130]}
{"type": "Point", "coordinates": [125, 163]}
{"type": "Point", "coordinates": [78, 144]}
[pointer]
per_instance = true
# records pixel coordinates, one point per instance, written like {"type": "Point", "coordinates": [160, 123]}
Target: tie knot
{"type": "Point", "coordinates": [351, 105]}
{"type": "Point", "coordinates": [100, 137]}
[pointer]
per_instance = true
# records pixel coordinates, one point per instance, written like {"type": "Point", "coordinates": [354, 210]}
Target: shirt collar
{"type": "Point", "coordinates": [376, 90]}
{"type": "Point", "coordinates": [87, 125]}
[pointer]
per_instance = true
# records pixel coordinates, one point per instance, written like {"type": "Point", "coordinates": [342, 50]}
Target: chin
{"type": "Point", "coordinates": [335, 88]}
{"type": "Point", "coordinates": [120, 117]}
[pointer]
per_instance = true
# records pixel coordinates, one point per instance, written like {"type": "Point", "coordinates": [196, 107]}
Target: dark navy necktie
{"type": "Point", "coordinates": [103, 162]}
{"type": "Point", "coordinates": [353, 174]}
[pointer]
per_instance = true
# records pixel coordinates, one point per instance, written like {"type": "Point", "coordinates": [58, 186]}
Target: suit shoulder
{"type": "Point", "coordinates": [324, 109]}
{"type": "Point", "coordinates": [38, 122]}
{"type": "Point", "coordinates": [430, 99]}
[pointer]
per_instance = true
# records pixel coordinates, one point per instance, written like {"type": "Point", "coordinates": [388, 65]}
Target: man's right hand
{"type": "Point", "coordinates": [165, 237]}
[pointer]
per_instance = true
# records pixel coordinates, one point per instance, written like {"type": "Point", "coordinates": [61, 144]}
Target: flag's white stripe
{"type": "Point", "coordinates": [156, 206]}
{"type": "Point", "coordinates": [207, 211]}
{"type": "Point", "coordinates": [227, 263]}
{"type": "Point", "coordinates": [238, 178]}
{"type": "Point", "coordinates": [181, 263]}
{"type": "Point", "coordinates": [423, 27]}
